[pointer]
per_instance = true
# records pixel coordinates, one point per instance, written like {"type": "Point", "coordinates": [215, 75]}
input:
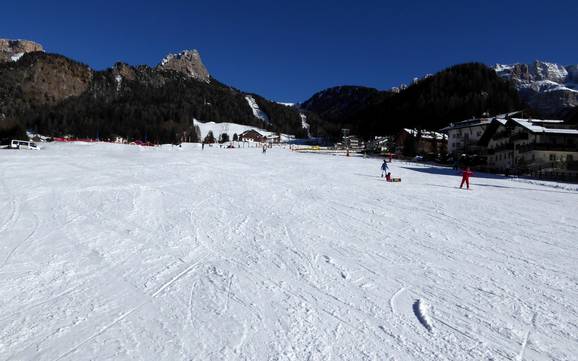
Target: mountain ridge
{"type": "Point", "coordinates": [455, 93]}
{"type": "Point", "coordinates": [550, 88]}
{"type": "Point", "coordinates": [56, 95]}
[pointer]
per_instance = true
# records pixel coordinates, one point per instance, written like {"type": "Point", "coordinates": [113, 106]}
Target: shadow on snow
{"type": "Point", "coordinates": [453, 172]}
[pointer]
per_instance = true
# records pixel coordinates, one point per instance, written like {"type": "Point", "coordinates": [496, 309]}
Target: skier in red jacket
{"type": "Point", "coordinates": [466, 174]}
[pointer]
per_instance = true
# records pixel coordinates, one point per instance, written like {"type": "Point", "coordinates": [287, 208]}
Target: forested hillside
{"type": "Point", "coordinates": [54, 95]}
{"type": "Point", "coordinates": [454, 94]}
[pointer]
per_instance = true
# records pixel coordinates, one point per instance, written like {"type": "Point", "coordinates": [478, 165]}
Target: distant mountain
{"type": "Point", "coordinates": [340, 106]}
{"type": "Point", "coordinates": [549, 88]}
{"type": "Point", "coordinates": [342, 102]}
{"type": "Point", "coordinates": [12, 50]}
{"type": "Point", "coordinates": [55, 95]}
{"type": "Point", "coordinates": [454, 94]}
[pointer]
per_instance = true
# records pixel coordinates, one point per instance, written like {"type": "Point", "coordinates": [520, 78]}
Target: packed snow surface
{"type": "Point", "coordinates": [257, 112]}
{"type": "Point", "coordinates": [117, 252]}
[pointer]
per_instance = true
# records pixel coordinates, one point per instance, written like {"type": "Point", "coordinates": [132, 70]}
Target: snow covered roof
{"type": "Point", "coordinates": [532, 126]}
{"type": "Point", "coordinates": [474, 122]}
{"type": "Point", "coordinates": [425, 134]}
{"type": "Point", "coordinates": [506, 115]}
{"type": "Point", "coordinates": [545, 120]}
{"type": "Point", "coordinates": [467, 124]}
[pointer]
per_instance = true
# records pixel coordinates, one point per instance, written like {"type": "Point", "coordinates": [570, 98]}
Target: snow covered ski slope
{"type": "Point", "coordinates": [114, 252]}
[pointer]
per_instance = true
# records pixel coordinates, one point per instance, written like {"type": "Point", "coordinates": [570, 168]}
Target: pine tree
{"type": "Point", "coordinates": [209, 138]}
{"type": "Point", "coordinates": [409, 146]}
{"type": "Point", "coordinates": [224, 138]}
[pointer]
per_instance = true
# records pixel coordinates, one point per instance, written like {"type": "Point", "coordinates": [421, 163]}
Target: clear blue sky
{"type": "Point", "coordinates": [288, 50]}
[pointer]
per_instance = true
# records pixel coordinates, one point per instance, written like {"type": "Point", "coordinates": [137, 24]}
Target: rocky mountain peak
{"type": "Point", "coordinates": [548, 87]}
{"type": "Point", "coordinates": [187, 62]}
{"type": "Point", "coordinates": [536, 71]}
{"type": "Point", "coordinates": [12, 50]}
{"type": "Point", "coordinates": [124, 70]}
{"type": "Point", "coordinates": [549, 71]}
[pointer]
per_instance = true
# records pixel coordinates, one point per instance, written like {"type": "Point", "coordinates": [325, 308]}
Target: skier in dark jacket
{"type": "Point", "coordinates": [384, 168]}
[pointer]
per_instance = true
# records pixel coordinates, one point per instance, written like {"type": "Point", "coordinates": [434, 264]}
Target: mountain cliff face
{"type": "Point", "coordinates": [187, 62]}
{"type": "Point", "coordinates": [39, 78]}
{"type": "Point", "coordinates": [12, 50]}
{"type": "Point", "coordinates": [549, 88]}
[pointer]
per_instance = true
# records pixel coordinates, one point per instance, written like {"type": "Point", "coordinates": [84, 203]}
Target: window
{"type": "Point", "coordinates": [569, 158]}
{"type": "Point", "coordinates": [552, 157]}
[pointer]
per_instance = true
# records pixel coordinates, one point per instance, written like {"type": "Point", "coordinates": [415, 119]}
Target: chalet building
{"type": "Point", "coordinates": [252, 135]}
{"type": "Point", "coordinates": [354, 142]}
{"type": "Point", "coordinates": [463, 137]}
{"type": "Point", "coordinates": [274, 138]}
{"type": "Point", "coordinates": [426, 142]}
{"type": "Point", "coordinates": [530, 144]}
{"type": "Point", "coordinates": [350, 142]}
{"type": "Point", "coordinates": [377, 144]}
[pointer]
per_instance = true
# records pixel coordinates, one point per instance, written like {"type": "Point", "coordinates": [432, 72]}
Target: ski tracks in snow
{"type": "Point", "coordinates": [316, 263]}
{"type": "Point", "coordinates": [228, 293]}
{"type": "Point", "coordinates": [124, 315]}
{"type": "Point", "coordinates": [520, 356]}
{"type": "Point", "coordinates": [394, 297]}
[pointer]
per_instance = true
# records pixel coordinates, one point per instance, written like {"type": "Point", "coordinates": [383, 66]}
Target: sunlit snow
{"type": "Point", "coordinates": [118, 252]}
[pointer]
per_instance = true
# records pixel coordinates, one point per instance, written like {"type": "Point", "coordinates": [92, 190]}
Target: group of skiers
{"type": "Point", "coordinates": [466, 174]}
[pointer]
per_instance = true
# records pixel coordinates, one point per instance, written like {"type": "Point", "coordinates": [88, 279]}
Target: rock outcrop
{"type": "Point", "coordinates": [42, 79]}
{"type": "Point", "coordinates": [12, 50]}
{"type": "Point", "coordinates": [187, 62]}
{"type": "Point", "coordinates": [547, 87]}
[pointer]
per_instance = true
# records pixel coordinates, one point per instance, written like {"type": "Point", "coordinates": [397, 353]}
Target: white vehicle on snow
{"type": "Point", "coordinates": [23, 144]}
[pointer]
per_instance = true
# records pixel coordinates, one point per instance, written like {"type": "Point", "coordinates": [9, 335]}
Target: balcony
{"type": "Point", "coordinates": [502, 135]}
{"type": "Point", "coordinates": [499, 148]}
{"type": "Point", "coordinates": [547, 147]}
{"type": "Point", "coordinates": [519, 136]}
